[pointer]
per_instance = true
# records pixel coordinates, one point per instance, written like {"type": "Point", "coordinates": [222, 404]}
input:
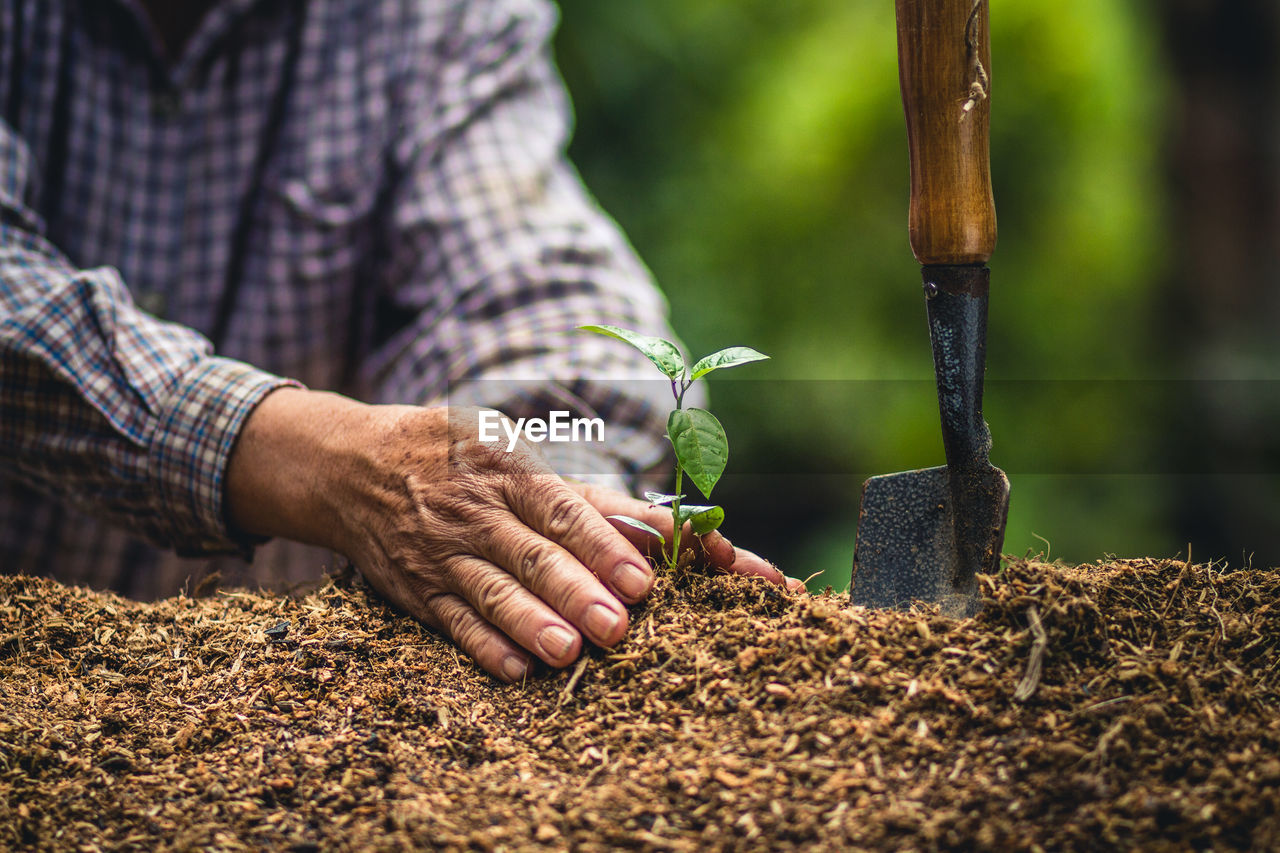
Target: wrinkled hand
{"type": "Point", "coordinates": [489, 547]}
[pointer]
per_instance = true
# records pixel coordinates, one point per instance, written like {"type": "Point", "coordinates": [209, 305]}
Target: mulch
{"type": "Point", "coordinates": [1127, 704]}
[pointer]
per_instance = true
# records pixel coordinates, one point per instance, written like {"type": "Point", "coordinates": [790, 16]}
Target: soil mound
{"type": "Point", "coordinates": [1127, 704]}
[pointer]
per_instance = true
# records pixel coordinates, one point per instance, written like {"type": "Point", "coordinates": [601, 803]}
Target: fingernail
{"type": "Point", "coordinates": [794, 584]}
{"type": "Point", "coordinates": [601, 621]}
{"type": "Point", "coordinates": [555, 641]}
{"type": "Point", "coordinates": [631, 580]}
{"type": "Point", "coordinates": [514, 668]}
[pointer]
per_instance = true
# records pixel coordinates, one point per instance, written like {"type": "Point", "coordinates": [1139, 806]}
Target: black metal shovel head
{"type": "Point", "coordinates": [916, 544]}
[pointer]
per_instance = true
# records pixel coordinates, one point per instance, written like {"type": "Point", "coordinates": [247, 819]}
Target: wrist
{"type": "Point", "coordinates": [285, 476]}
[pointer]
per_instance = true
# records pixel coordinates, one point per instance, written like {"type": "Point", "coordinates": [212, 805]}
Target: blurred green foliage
{"type": "Point", "coordinates": [755, 154]}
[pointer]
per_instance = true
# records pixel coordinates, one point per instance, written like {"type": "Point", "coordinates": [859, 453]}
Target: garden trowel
{"type": "Point", "coordinates": [923, 534]}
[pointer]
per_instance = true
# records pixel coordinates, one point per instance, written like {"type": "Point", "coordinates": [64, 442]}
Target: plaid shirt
{"type": "Point", "coordinates": [368, 196]}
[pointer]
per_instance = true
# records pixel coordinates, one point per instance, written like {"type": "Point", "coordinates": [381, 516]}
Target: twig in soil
{"type": "Point", "coordinates": [1031, 679]}
{"type": "Point", "coordinates": [1267, 673]}
{"type": "Point", "coordinates": [1213, 608]}
{"type": "Point", "coordinates": [1104, 703]}
{"type": "Point", "coordinates": [573, 681]}
{"type": "Point", "coordinates": [1099, 753]}
{"type": "Point", "coordinates": [596, 771]}
{"type": "Point", "coordinates": [1177, 585]}
{"type": "Point", "coordinates": [1048, 547]}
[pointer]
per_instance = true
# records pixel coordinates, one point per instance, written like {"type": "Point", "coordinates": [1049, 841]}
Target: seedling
{"type": "Point", "coordinates": [702, 450]}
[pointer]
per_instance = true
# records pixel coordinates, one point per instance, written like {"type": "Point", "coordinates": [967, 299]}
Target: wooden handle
{"type": "Point", "coordinates": [944, 62]}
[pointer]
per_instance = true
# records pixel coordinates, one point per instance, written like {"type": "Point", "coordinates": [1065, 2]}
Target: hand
{"type": "Point", "coordinates": [717, 551]}
{"type": "Point", "coordinates": [491, 548]}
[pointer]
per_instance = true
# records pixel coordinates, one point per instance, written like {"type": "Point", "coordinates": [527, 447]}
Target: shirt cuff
{"type": "Point", "coordinates": [187, 461]}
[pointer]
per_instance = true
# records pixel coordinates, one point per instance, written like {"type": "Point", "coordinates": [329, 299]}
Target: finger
{"type": "Point", "coordinates": [549, 507]}
{"type": "Point", "coordinates": [612, 502]}
{"type": "Point", "coordinates": [518, 613]}
{"type": "Point", "coordinates": [559, 579]}
{"type": "Point", "coordinates": [744, 562]}
{"type": "Point", "coordinates": [717, 550]}
{"type": "Point", "coordinates": [609, 502]}
{"type": "Point", "coordinates": [646, 543]}
{"type": "Point", "coordinates": [479, 639]}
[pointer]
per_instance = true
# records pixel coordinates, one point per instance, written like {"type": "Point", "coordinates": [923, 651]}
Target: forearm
{"type": "Point", "coordinates": [106, 408]}
{"type": "Point", "coordinates": [299, 464]}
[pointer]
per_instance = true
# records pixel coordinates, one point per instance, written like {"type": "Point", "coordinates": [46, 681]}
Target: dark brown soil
{"type": "Point", "coordinates": [1122, 705]}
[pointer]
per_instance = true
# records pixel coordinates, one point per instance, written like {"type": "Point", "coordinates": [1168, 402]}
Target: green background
{"type": "Point", "coordinates": [754, 152]}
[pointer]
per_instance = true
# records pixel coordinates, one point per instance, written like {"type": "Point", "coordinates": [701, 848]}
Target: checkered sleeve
{"type": "Point", "coordinates": [110, 410]}
{"type": "Point", "coordinates": [498, 252]}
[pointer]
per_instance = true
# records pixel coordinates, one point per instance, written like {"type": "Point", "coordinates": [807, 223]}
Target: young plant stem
{"type": "Point", "coordinates": [676, 526]}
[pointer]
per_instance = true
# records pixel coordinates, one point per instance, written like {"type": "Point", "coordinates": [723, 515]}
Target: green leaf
{"type": "Point", "coordinates": [703, 518]}
{"type": "Point", "coordinates": [659, 499]}
{"type": "Point", "coordinates": [639, 525]}
{"type": "Point", "coordinates": [664, 354]}
{"type": "Point", "coordinates": [688, 511]}
{"type": "Point", "coordinates": [731, 357]}
{"type": "Point", "coordinates": [705, 522]}
{"type": "Point", "coordinates": [701, 446]}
